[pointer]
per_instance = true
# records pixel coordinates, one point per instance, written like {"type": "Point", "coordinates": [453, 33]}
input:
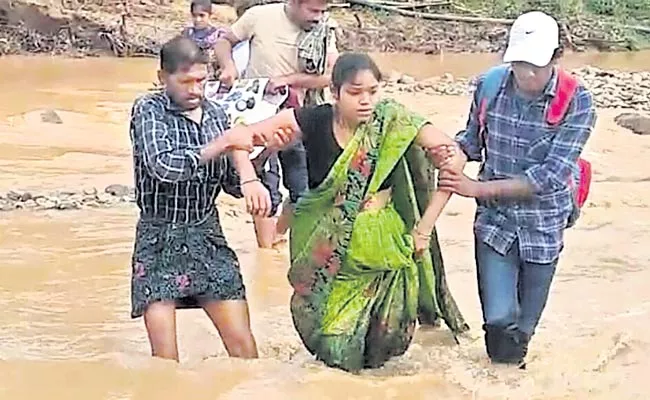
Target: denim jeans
{"type": "Point", "coordinates": [271, 179]}
{"type": "Point", "coordinates": [513, 292]}
{"type": "Point", "coordinates": [294, 174]}
{"type": "Point", "coordinates": [294, 170]}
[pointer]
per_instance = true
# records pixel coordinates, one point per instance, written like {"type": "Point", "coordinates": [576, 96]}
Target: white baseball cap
{"type": "Point", "coordinates": [534, 36]}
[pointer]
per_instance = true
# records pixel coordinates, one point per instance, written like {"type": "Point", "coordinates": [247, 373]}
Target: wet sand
{"type": "Point", "coordinates": [64, 278]}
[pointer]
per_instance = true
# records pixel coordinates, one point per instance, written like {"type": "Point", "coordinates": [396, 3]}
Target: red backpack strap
{"type": "Point", "coordinates": [567, 85]}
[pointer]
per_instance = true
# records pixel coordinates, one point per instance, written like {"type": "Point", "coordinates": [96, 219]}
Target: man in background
{"type": "Point", "coordinates": [293, 44]}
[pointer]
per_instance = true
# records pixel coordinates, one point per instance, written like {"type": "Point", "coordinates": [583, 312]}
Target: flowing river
{"type": "Point", "coordinates": [65, 328]}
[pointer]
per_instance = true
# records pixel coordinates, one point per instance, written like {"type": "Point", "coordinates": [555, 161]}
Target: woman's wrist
{"type": "Point", "coordinates": [423, 233]}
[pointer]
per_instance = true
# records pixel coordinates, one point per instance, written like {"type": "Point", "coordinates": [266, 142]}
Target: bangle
{"type": "Point", "coordinates": [422, 235]}
{"type": "Point", "coordinates": [250, 181]}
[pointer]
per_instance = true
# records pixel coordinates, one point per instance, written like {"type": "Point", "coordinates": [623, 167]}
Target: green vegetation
{"type": "Point", "coordinates": [603, 23]}
{"type": "Point", "coordinates": [622, 10]}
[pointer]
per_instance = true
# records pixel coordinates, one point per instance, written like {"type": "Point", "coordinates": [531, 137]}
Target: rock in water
{"type": "Point", "coordinates": [407, 80]}
{"type": "Point", "coordinates": [14, 196]}
{"type": "Point", "coordinates": [45, 203]}
{"type": "Point", "coordinates": [6, 205]}
{"type": "Point", "coordinates": [392, 76]}
{"type": "Point", "coordinates": [51, 117]}
{"type": "Point", "coordinates": [637, 123]}
{"type": "Point", "coordinates": [118, 190]}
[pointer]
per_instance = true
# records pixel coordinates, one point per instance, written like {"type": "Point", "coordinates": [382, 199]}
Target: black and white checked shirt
{"type": "Point", "coordinates": [170, 185]}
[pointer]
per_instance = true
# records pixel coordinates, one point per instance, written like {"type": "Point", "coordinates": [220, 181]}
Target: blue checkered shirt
{"type": "Point", "coordinates": [519, 144]}
{"type": "Point", "coordinates": [170, 184]}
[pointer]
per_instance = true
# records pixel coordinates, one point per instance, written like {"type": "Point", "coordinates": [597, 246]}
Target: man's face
{"type": "Point", "coordinates": [185, 86]}
{"type": "Point", "coordinates": [308, 12]}
{"type": "Point", "coordinates": [531, 79]}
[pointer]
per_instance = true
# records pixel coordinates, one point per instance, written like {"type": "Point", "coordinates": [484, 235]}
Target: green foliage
{"type": "Point", "coordinates": [619, 9]}
{"type": "Point", "coordinates": [603, 19]}
{"type": "Point", "coordinates": [625, 9]}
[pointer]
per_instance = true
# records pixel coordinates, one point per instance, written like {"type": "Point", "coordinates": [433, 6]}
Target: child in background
{"type": "Point", "coordinates": [205, 35]}
{"type": "Point", "coordinates": [202, 32]}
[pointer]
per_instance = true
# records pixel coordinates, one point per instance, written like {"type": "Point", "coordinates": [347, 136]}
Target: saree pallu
{"type": "Point", "coordinates": [358, 288]}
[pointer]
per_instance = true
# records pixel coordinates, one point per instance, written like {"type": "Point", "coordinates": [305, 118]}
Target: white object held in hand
{"type": "Point", "coordinates": [246, 102]}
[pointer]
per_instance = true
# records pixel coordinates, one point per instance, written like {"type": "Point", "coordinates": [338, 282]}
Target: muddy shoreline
{"type": "Point", "coordinates": [127, 29]}
{"type": "Point", "coordinates": [610, 88]}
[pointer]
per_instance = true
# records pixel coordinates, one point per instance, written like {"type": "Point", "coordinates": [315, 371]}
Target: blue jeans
{"type": "Point", "coordinates": [513, 293]}
{"type": "Point", "coordinates": [294, 174]}
{"type": "Point", "coordinates": [271, 179]}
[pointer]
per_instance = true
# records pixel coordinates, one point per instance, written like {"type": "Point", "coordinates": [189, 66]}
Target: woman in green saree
{"type": "Point", "coordinates": [365, 259]}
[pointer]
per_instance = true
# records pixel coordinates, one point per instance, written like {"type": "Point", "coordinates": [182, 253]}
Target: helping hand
{"type": "Point", "coordinates": [444, 155]}
{"type": "Point", "coordinates": [457, 182]}
{"type": "Point", "coordinates": [241, 138]}
{"type": "Point", "coordinates": [280, 138]}
{"type": "Point", "coordinates": [276, 140]}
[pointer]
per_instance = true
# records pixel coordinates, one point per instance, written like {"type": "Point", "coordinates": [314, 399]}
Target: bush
{"type": "Point", "coordinates": [637, 9]}
{"type": "Point", "coordinates": [562, 9]}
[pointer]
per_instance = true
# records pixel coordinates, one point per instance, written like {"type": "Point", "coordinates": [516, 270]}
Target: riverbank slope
{"type": "Point", "coordinates": [137, 28]}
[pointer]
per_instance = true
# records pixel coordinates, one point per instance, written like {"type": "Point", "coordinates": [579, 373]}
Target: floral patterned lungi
{"type": "Point", "coordinates": [188, 263]}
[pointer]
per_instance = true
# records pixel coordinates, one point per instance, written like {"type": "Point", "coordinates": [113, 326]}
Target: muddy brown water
{"type": "Point", "coordinates": [65, 330]}
{"type": "Point", "coordinates": [422, 66]}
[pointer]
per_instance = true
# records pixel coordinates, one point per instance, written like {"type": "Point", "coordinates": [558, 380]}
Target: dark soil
{"type": "Point", "coordinates": [364, 30]}
{"type": "Point", "coordinates": [27, 28]}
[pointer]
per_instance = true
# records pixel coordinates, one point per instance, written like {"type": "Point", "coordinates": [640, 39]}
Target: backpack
{"type": "Point", "coordinates": [555, 113]}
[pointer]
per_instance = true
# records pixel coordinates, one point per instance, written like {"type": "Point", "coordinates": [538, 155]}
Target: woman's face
{"type": "Point", "coordinates": [356, 98]}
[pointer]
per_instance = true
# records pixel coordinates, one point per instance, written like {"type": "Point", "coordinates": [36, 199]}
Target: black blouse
{"type": "Point", "coordinates": [317, 127]}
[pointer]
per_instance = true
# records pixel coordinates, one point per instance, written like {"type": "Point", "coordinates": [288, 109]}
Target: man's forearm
{"type": "Point", "coordinates": [503, 189]}
{"type": "Point", "coordinates": [223, 53]}
{"type": "Point", "coordinates": [243, 165]}
{"type": "Point", "coordinates": [308, 81]}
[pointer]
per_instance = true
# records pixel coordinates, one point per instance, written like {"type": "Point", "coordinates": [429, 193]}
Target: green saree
{"type": "Point", "coordinates": [358, 289]}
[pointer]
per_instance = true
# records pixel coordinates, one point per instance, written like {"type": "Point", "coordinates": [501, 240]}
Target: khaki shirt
{"type": "Point", "coordinates": [274, 42]}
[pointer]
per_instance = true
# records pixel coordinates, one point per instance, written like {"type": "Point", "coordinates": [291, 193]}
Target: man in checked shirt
{"type": "Point", "coordinates": [523, 192]}
{"type": "Point", "coordinates": [181, 258]}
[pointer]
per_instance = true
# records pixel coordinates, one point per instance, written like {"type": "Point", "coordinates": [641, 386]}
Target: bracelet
{"type": "Point", "coordinates": [422, 235]}
{"type": "Point", "coordinates": [250, 181]}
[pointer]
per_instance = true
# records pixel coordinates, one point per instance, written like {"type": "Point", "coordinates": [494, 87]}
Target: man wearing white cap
{"type": "Point", "coordinates": [528, 124]}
